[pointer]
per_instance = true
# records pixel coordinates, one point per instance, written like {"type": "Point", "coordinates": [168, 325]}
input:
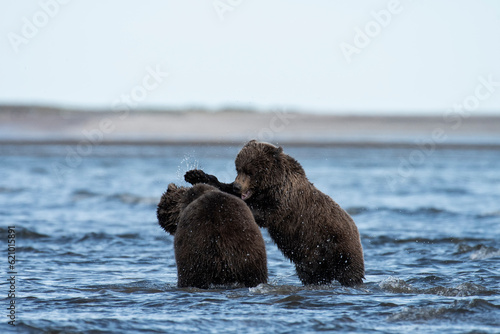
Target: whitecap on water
{"type": "Point", "coordinates": [275, 289]}
{"type": "Point", "coordinates": [396, 285]}
{"type": "Point", "coordinates": [416, 313]}
{"type": "Point", "coordinates": [461, 290]}
{"type": "Point", "coordinates": [456, 311]}
{"type": "Point", "coordinates": [478, 252]}
{"type": "Point", "coordinates": [485, 253]}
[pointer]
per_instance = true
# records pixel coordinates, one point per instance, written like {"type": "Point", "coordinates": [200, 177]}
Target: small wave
{"type": "Point", "coordinates": [128, 236]}
{"type": "Point", "coordinates": [287, 289]}
{"type": "Point", "coordinates": [29, 249]}
{"type": "Point", "coordinates": [95, 236]}
{"type": "Point", "coordinates": [291, 300]}
{"type": "Point", "coordinates": [80, 300]}
{"type": "Point", "coordinates": [465, 248]}
{"type": "Point", "coordinates": [485, 253]}
{"type": "Point", "coordinates": [454, 191]}
{"type": "Point", "coordinates": [493, 214]}
{"type": "Point", "coordinates": [462, 248]}
{"type": "Point", "coordinates": [396, 285]}
{"type": "Point", "coordinates": [39, 170]}
{"type": "Point", "coordinates": [384, 240]}
{"type": "Point", "coordinates": [87, 237]}
{"type": "Point", "coordinates": [478, 252]}
{"type": "Point", "coordinates": [127, 198]}
{"type": "Point", "coordinates": [99, 236]}
{"type": "Point", "coordinates": [431, 279]}
{"type": "Point", "coordinates": [24, 233]}
{"type": "Point", "coordinates": [357, 210]}
{"type": "Point", "coordinates": [415, 313]}
{"type": "Point", "coordinates": [427, 211]}
{"type": "Point", "coordinates": [143, 286]}
{"type": "Point", "coordinates": [455, 311]}
{"type": "Point", "coordinates": [7, 190]}
{"type": "Point", "coordinates": [76, 324]}
{"type": "Point", "coordinates": [430, 211]}
{"type": "Point", "coordinates": [275, 289]}
{"type": "Point", "coordinates": [72, 254]}
{"type": "Point", "coordinates": [461, 290]}
{"type": "Point", "coordinates": [83, 194]}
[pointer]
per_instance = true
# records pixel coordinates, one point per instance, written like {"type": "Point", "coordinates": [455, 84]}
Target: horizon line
{"type": "Point", "coordinates": [239, 108]}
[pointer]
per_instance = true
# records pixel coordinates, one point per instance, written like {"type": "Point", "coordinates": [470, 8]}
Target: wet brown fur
{"type": "Point", "coordinates": [217, 241]}
{"type": "Point", "coordinates": [311, 229]}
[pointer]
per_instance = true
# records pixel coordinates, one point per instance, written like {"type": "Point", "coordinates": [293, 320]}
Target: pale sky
{"type": "Point", "coordinates": [337, 56]}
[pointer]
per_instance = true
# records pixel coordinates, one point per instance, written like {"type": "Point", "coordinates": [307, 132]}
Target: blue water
{"type": "Point", "coordinates": [91, 257]}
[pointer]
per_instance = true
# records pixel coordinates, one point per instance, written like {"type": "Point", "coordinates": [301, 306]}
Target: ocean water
{"type": "Point", "coordinates": [91, 258]}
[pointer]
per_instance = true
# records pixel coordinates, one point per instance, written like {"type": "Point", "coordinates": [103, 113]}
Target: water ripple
{"type": "Point", "coordinates": [458, 311]}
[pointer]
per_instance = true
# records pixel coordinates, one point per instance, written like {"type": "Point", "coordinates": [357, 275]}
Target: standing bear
{"type": "Point", "coordinates": [216, 239]}
{"type": "Point", "coordinates": [311, 229]}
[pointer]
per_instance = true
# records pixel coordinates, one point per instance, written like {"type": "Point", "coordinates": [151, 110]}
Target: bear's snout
{"type": "Point", "coordinates": [242, 185]}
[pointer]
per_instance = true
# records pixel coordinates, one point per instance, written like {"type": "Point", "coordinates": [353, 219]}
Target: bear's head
{"type": "Point", "coordinates": [174, 201]}
{"type": "Point", "coordinates": [260, 166]}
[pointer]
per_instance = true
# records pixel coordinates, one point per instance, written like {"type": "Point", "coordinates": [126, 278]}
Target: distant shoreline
{"type": "Point", "coordinates": [381, 145]}
{"type": "Point", "coordinates": [31, 125]}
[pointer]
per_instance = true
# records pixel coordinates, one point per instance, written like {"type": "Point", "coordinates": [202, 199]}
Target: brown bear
{"type": "Point", "coordinates": [312, 230]}
{"type": "Point", "coordinates": [216, 239]}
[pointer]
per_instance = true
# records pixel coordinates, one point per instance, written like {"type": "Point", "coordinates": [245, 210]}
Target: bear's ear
{"type": "Point", "coordinates": [276, 150]}
{"type": "Point", "coordinates": [251, 142]}
{"type": "Point", "coordinates": [172, 187]}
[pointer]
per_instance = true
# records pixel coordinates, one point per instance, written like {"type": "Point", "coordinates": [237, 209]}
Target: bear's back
{"type": "Point", "coordinates": [218, 242]}
{"type": "Point", "coordinates": [218, 208]}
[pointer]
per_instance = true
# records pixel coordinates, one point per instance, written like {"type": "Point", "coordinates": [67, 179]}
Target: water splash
{"type": "Point", "coordinates": [187, 163]}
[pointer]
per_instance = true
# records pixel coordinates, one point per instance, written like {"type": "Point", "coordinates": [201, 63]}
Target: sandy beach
{"type": "Point", "coordinates": [38, 125]}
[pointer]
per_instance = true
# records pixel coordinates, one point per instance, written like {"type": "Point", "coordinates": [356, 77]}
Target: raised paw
{"type": "Point", "coordinates": [195, 176]}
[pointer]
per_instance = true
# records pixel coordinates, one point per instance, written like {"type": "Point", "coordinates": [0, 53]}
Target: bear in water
{"type": "Point", "coordinates": [216, 239]}
{"type": "Point", "coordinates": [311, 229]}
